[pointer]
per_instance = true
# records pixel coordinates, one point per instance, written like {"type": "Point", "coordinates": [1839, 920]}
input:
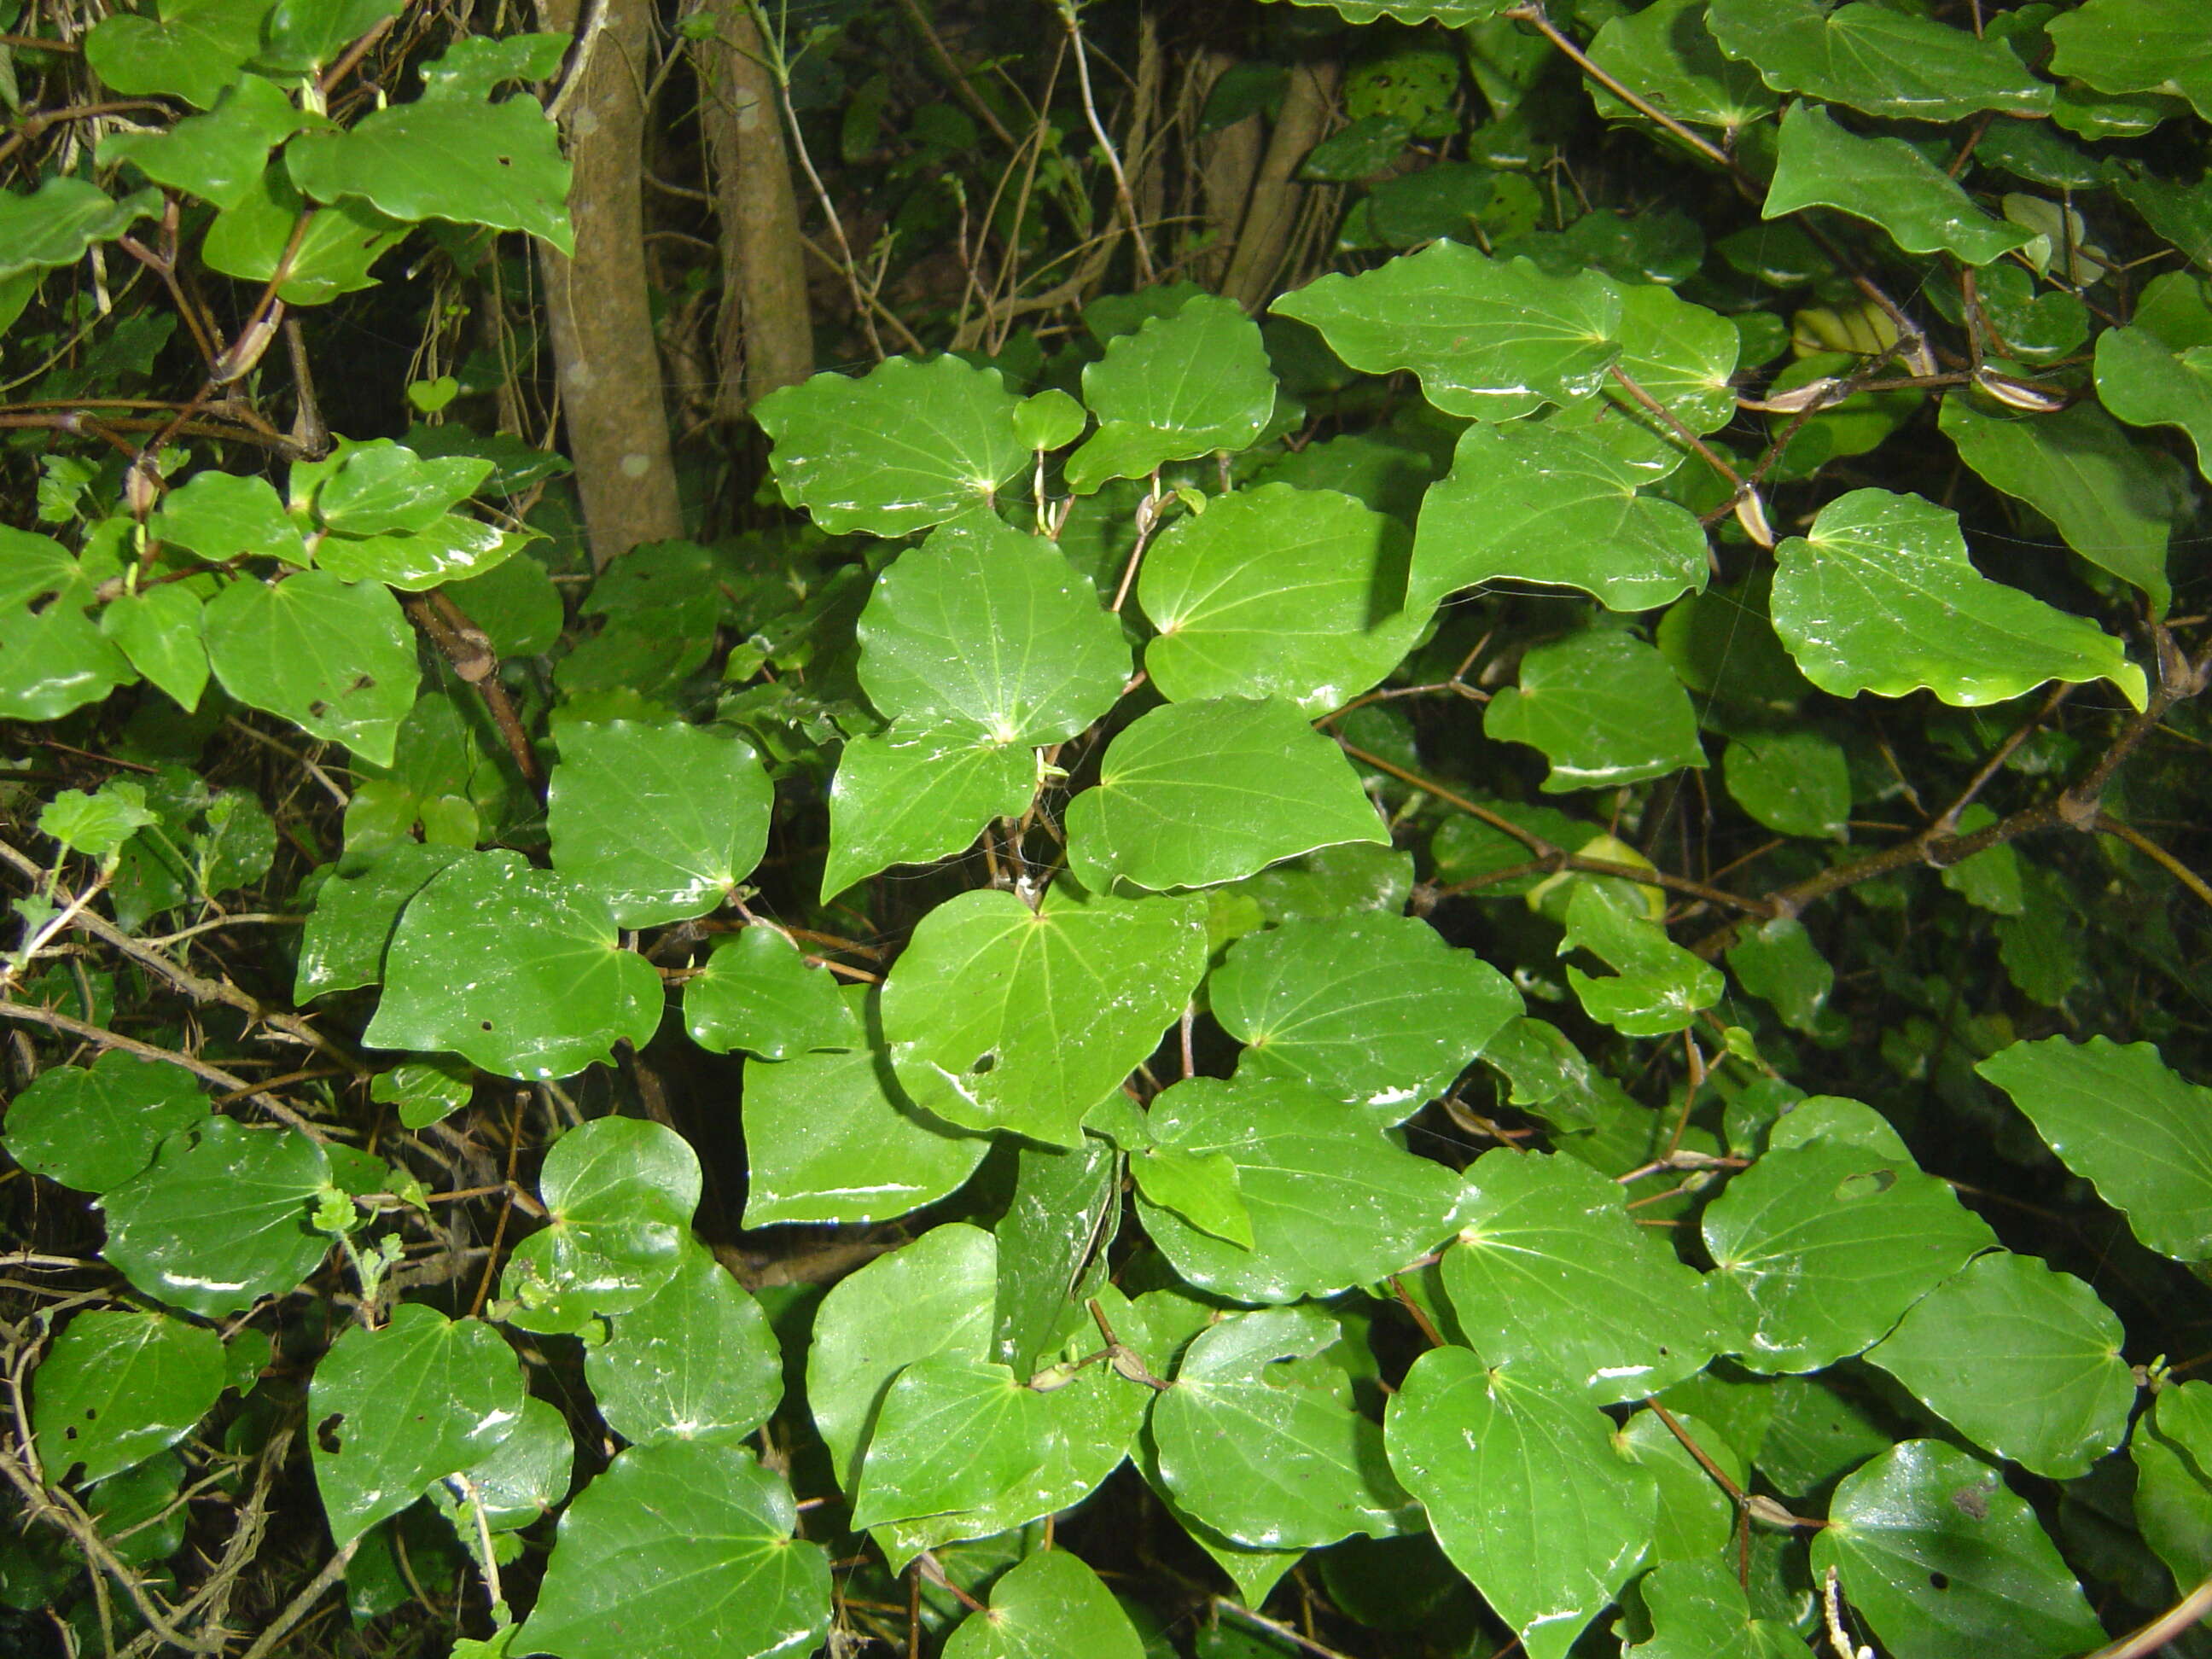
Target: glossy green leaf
{"type": "Point", "coordinates": [695, 1360]}
{"type": "Point", "coordinates": [1179, 387]}
{"type": "Point", "coordinates": [1886, 180]}
{"type": "Point", "coordinates": [1883, 61]}
{"type": "Point", "coordinates": [94, 1128]}
{"type": "Point", "coordinates": [660, 822]}
{"type": "Point", "coordinates": [524, 1476]}
{"type": "Point", "coordinates": [1548, 1076]}
{"type": "Point", "coordinates": [1050, 420]}
{"type": "Point", "coordinates": [119, 1386]}
{"type": "Point", "coordinates": [2136, 45]}
{"type": "Point", "coordinates": [757, 994]}
{"type": "Point", "coordinates": [1203, 1191]}
{"type": "Point", "coordinates": [619, 1195]}
{"type": "Point", "coordinates": [2171, 1450]}
{"type": "Point", "coordinates": [2179, 212]}
{"type": "Point", "coordinates": [490, 164]}
{"type": "Point", "coordinates": [159, 630]}
{"type": "Point", "coordinates": [1679, 355]}
{"type": "Point", "coordinates": [1524, 1490]}
{"type": "Point", "coordinates": [426, 1091]}
{"type": "Point", "coordinates": [1333, 1201]}
{"type": "Point", "coordinates": [1048, 1605]}
{"type": "Point", "coordinates": [1276, 592]}
{"type": "Point", "coordinates": [2023, 1359]}
{"type": "Point", "coordinates": [1796, 783]}
{"type": "Point", "coordinates": [453, 549]}
{"type": "Point", "coordinates": [214, 1227]}
{"type": "Point", "coordinates": [1536, 503]}
{"type": "Point", "coordinates": [396, 1407]}
{"type": "Point", "coordinates": [1604, 708]}
{"type": "Point", "coordinates": [348, 931]}
{"type": "Point", "coordinates": [1373, 1009]}
{"type": "Point", "coordinates": [1052, 1242]}
{"type": "Point", "coordinates": [1699, 1611]}
{"type": "Point", "coordinates": [962, 1449]}
{"type": "Point", "coordinates": [1828, 1243]}
{"type": "Point", "coordinates": [549, 990]}
{"type": "Point", "coordinates": [337, 659]}
{"type": "Point", "coordinates": [1262, 1460]}
{"type": "Point", "coordinates": [678, 1552]}
{"type": "Point", "coordinates": [1666, 55]}
{"type": "Point", "coordinates": [1195, 793]}
{"type": "Point", "coordinates": [931, 1296]}
{"type": "Point", "coordinates": [515, 604]}
{"type": "Point", "coordinates": [915, 795]}
{"type": "Point", "coordinates": [2138, 1133]}
{"type": "Point", "coordinates": [2079, 469]}
{"type": "Point", "coordinates": [1881, 597]}
{"type": "Point", "coordinates": [383, 488]}
{"type": "Point", "coordinates": [54, 224]}
{"type": "Point", "coordinates": [1778, 960]}
{"type": "Point", "coordinates": [984, 627]}
{"type": "Point", "coordinates": [1940, 1557]}
{"type": "Point", "coordinates": [1657, 985]}
{"type": "Point", "coordinates": [218, 157]}
{"type": "Point", "coordinates": [1385, 473]}
{"type": "Point", "coordinates": [53, 657]}
{"type": "Point", "coordinates": [833, 1137]}
{"type": "Point", "coordinates": [1549, 1270]}
{"type": "Point", "coordinates": [192, 48]}
{"type": "Point", "coordinates": [909, 444]}
{"type": "Point", "coordinates": [1002, 1017]}
{"type": "Point", "coordinates": [2147, 383]}
{"type": "Point", "coordinates": [1697, 1520]}
{"type": "Point", "coordinates": [343, 240]}
{"type": "Point", "coordinates": [1490, 338]}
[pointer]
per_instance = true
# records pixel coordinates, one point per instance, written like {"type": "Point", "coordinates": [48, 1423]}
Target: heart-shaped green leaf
{"type": "Point", "coordinates": [1828, 1243]}
{"type": "Point", "coordinates": [1603, 706]}
{"type": "Point", "coordinates": [547, 989]}
{"type": "Point", "coordinates": [119, 1386]}
{"type": "Point", "coordinates": [1551, 1270]}
{"type": "Point", "coordinates": [1333, 1201]}
{"type": "Point", "coordinates": [1940, 1556]}
{"type": "Point", "coordinates": [695, 1361]}
{"type": "Point", "coordinates": [393, 1408]}
{"type": "Point", "coordinates": [1524, 1490]}
{"type": "Point", "coordinates": [1881, 596]}
{"type": "Point", "coordinates": [1196, 793]}
{"type": "Point", "coordinates": [904, 446]}
{"type": "Point", "coordinates": [1278, 593]}
{"type": "Point", "coordinates": [1374, 1010]}
{"type": "Point", "coordinates": [661, 821]}
{"type": "Point", "coordinates": [1002, 1017]}
{"type": "Point", "coordinates": [1491, 338]}
{"type": "Point", "coordinates": [678, 1552]}
{"type": "Point", "coordinates": [1262, 1458]}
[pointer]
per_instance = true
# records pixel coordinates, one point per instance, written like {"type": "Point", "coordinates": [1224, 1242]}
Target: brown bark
{"type": "Point", "coordinates": [1271, 216]}
{"type": "Point", "coordinates": [1229, 160]}
{"type": "Point", "coordinates": [763, 334]}
{"type": "Point", "coordinates": [603, 352]}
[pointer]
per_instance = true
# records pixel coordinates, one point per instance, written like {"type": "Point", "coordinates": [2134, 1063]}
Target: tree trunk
{"type": "Point", "coordinates": [1229, 160]}
{"type": "Point", "coordinates": [604, 353]}
{"type": "Point", "coordinates": [763, 334]}
{"type": "Point", "coordinates": [1272, 215]}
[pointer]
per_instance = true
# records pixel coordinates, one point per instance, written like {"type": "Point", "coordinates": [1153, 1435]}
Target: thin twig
{"type": "Point", "coordinates": [300, 1604]}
